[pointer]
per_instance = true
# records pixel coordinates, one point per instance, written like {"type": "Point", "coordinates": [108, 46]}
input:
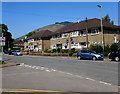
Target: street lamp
{"type": "Point", "coordinates": [86, 33]}
{"type": "Point", "coordinates": [101, 26]}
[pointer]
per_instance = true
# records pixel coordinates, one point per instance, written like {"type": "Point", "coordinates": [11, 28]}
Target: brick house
{"type": "Point", "coordinates": [40, 41]}
{"type": "Point", "coordinates": [77, 35]}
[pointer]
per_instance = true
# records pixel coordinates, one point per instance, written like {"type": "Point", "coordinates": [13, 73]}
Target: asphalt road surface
{"type": "Point", "coordinates": [61, 74]}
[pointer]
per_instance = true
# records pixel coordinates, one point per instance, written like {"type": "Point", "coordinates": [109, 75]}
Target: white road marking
{"type": "Point", "coordinates": [90, 79]}
{"type": "Point", "coordinates": [47, 70]}
{"type": "Point", "coordinates": [104, 83]}
{"type": "Point", "coordinates": [53, 70]}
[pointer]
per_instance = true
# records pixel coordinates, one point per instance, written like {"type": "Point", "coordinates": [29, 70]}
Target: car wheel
{"type": "Point", "coordinates": [79, 57]}
{"type": "Point", "coordinates": [117, 59]}
{"type": "Point", "coordinates": [94, 58]}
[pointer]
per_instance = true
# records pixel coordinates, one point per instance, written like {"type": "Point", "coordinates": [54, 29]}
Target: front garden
{"type": "Point", "coordinates": [73, 52]}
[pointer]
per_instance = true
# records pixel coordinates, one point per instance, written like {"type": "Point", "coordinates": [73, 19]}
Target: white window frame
{"type": "Point", "coordinates": [59, 36]}
{"type": "Point", "coordinates": [53, 37]}
{"type": "Point", "coordinates": [65, 34]}
{"type": "Point", "coordinates": [96, 32]}
{"type": "Point", "coordinates": [84, 34]}
{"type": "Point", "coordinates": [74, 34]}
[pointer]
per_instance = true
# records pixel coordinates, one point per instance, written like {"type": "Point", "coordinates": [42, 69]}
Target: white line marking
{"type": "Point", "coordinates": [69, 74]}
{"type": "Point", "coordinates": [53, 70]}
{"type": "Point", "coordinates": [47, 70]}
{"type": "Point", "coordinates": [90, 79]}
{"type": "Point", "coordinates": [104, 83]}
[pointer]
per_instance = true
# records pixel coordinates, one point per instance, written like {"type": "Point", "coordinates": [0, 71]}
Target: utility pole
{"type": "Point", "coordinates": [86, 33]}
{"type": "Point", "coordinates": [103, 44]}
{"type": "Point", "coordinates": [69, 41]}
{"type": "Point", "coordinates": [2, 50]}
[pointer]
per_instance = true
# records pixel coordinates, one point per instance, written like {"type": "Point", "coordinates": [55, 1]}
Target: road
{"type": "Point", "coordinates": [64, 74]}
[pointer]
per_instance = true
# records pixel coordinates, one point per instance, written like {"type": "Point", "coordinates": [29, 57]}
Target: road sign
{"type": "Point", "coordinates": [2, 41]}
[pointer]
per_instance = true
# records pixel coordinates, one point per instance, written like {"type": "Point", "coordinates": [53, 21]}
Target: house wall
{"type": "Point", "coordinates": [46, 44]}
{"type": "Point", "coordinates": [111, 36]}
{"type": "Point", "coordinates": [37, 45]}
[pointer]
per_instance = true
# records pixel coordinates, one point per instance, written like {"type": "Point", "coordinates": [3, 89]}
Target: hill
{"type": "Point", "coordinates": [53, 27]}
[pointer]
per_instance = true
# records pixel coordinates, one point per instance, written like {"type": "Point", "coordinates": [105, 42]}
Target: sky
{"type": "Point", "coordinates": [24, 17]}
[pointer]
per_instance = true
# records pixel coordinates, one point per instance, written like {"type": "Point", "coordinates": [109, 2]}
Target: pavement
{"type": "Point", "coordinates": [8, 64]}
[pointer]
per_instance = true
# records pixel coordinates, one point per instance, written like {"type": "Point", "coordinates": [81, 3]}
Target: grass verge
{"type": "Point", "coordinates": [2, 62]}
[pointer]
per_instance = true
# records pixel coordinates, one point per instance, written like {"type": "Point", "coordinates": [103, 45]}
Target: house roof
{"type": "Point", "coordinates": [91, 23]}
{"type": "Point", "coordinates": [41, 34]}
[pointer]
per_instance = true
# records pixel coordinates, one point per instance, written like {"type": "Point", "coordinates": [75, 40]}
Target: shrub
{"type": "Point", "coordinates": [107, 48]}
{"type": "Point", "coordinates": [49, 50]}
{"type": "Point", "coordinates": [73, 50]}
{"type": "Point", "coordinates": [77, 50]}
{"type": "Point", "coordinates": [58, 50]}
{"type": "Point", "coordinates": [97, 48]}
{"type": "Point", "coordinates": [84, 48]}
{"type": "Point", "coordinates": [64, 50]}
{"type": "Point", "coordinates": [71, 53]}
{"type": "Point", "coordinates": [53, 50]}
{"type": "Point", "coordinates": [114, 46]}
{"type": "Point", "coordinates": [105, 53]}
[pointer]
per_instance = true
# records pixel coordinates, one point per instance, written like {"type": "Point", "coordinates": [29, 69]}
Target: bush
{"type": "Point", "coordinates": [49, 50]}
{"type": "Point", "coordinates": [71, 53]}
{"type": "Point", "coordinates": [64, 50]}
{"type": "Point", "coordinates": [73, 50]}
{"type": "Point", "coordinates": [96, 48]}
{"type": "Point", "coordinates": [107, 48]}
{"type": "Point", "coordinates": [54, 51]}
{"type": "Point", "coordinates": [114, 46]}
{"type": "Point", "coordinates": [105, 53]}
{"type": "Point", "coordinates": [84, 48]}
{"type": "Point", "coordinates": [58, 50]}
{"type": "Point", "coordinates": [77, 50]}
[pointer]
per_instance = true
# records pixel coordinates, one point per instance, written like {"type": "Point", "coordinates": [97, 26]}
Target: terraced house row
{"type": "Point", "coordinates": [76, 35]}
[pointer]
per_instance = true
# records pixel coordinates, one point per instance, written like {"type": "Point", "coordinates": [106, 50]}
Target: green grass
{"type": "Point", "coordinates": [2, 62]}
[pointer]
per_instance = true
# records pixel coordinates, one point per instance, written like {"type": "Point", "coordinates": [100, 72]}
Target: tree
{"type": "Point", "coordinates": [8, 37]}
{"type": "Point", "coordinates": [108, 19]}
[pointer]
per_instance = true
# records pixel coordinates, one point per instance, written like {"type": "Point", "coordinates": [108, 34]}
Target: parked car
{"type": "Point", "coordinates": [88, 54]}
{"type": "Point", "coordinates": [115, 55]}
{"type": "Point", "coordinates": [15, 52]}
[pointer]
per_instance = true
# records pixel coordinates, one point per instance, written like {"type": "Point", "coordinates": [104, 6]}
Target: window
{"type": "Point", "coordinates": [74, 45]}
{"type": "Point", "coordinates": [84, 33]}
{"type": "Point", "coordinates": [54, 36]}
{"type": "Point", "coordinates": [94, 31]}
{"type": "Point", "coordinates": [79, 33]}
{"type": "Point", "coordinates": [59, 36]}
{"type": "Point", "coordinates": [84, 51]}
{"type": "Point", "coordinates": [65, 35]}
{"type": "Point", "coordinates": [75, 33]}
{"type": "Point", "coordinates": [82, 43]}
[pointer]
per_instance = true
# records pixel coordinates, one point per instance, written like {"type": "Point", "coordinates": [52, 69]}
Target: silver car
{"type": "Point", "coordinates": [17, 53]}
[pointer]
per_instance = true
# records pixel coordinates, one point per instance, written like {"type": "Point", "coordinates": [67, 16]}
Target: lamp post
{"type": "Point", "coordinates": [86, 33]}
{"type": "Point", "coordinates": [101, 26]}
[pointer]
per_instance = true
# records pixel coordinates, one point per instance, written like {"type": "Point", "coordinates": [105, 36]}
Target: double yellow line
{"type": "Point", "coordinates": [25, 90]}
